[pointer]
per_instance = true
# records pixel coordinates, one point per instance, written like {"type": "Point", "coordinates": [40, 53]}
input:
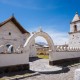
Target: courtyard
{"type": "Point", "coordinates": [47, 72]}
{"type": "Point", "coordinates": [41, 70]}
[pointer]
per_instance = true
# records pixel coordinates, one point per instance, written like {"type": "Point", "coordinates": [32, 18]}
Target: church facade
{"type": "Point", "coordinates": [17, 44]}
{"type": "Point", "coordinates": [13, 36]}
{"type": "Point", "coordinates": [74, 34]}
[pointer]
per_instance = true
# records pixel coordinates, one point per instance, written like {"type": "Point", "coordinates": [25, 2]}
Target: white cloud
{"type": "Point", "coordinates": [40, 39]}
{"type": "Point", "coordinates": [58, 38]}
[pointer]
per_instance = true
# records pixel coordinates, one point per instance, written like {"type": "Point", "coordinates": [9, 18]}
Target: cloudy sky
{"type": "Point", "coordinates": [54, 16]}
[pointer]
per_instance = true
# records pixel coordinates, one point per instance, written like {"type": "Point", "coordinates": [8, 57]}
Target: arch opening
{"type": "Point", "coordinates": [75, 28]}
{"type": "Point", "coordinates": [29, 42]}
{"type": "Point", "coordinates": [38, 61]}
{"type": "Point", "coordinates": [42, 47]}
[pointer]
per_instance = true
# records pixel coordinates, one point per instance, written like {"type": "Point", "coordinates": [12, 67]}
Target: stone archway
{"type": "Point", "coordinates": [44, 35]}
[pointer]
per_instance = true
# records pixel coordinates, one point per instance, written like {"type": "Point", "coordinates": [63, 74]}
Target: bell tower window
{"type": "Point", "coordinates": [9, 33]}
{"type": "Point", "coordinates": [75, 28]}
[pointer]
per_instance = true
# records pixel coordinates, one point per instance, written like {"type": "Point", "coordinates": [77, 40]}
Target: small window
{"type": "Point", "coordinates": [75, 28]}
{"type": "Point", "coordinates": [9, 33]}
{"type": "Point", "coordinates": [7, 45]}
{"type": "Point", "coordinates": [73, 35]}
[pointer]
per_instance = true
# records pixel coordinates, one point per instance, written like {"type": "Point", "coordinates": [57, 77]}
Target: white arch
{"type": "Point", "coordinates": [42, 34]}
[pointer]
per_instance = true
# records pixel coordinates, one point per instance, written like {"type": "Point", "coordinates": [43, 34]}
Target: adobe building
{"type": "Point", "coordinates": [12, 39]}
{"type": "Point", "coordinates": [74, 34]}
{"type": "Point", "coordinates": [13, 36]}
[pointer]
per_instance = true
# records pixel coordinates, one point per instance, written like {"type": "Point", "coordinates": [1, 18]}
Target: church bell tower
{"type": "Point", "coordinates": [74, 34]}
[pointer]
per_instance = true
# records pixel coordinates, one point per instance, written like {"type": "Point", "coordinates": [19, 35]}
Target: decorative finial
{"type": "Point", "coordinates": [13, 14]}
{"type": "Point", "coordinates": [76, 12]}
{"type": "Point", "coordinates": [40, 29]}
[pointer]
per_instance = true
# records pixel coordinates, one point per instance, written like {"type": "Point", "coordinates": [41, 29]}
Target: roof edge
{"type": "Point", "coordinates": [13, 19]}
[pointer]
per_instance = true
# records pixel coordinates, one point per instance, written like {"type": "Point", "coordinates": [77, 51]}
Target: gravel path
{"type": "Point", "coordinates": [42, 65]}
{"type": "Point", "coordinates": [46, 72]}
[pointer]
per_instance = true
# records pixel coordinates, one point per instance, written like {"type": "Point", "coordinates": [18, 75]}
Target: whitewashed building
{"type": "Point", "coordinates": [74, 34]}
{"type": "Point", "coordinates": [12, 33]}
{"type": "Point", "coordinates": [13, 36]}
{"type": "Point", "coordinates": [17, 45]}
{"type": "Point", "coordinates": [12, 39]}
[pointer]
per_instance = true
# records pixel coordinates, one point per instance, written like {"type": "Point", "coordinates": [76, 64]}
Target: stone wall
{"type": "Point", "coordinates": [13, 59]}
{"type": "Point", "coordinates": [74, 36]}
{"type": "Point", "coordinates": [10, 34]}
{"type": "Point", "coordinates": [62, 54]}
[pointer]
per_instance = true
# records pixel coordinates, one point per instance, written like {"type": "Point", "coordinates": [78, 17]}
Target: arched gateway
{"type": "Point", "coordinates": [42, 34]}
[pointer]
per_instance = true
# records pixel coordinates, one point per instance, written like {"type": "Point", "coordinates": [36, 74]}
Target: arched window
{"type": "Point", "coordinates": [75, 28]}
{"type": "Point", "coordinates": [9, 48]}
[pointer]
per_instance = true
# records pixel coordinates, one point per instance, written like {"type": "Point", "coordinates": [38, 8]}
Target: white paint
{"type": "Point", "coordinates": [32, 37]}
{"type": "Point", "coordinates": [16, 38]}
{"type": "Point", "coordinates": [32, 48]}
{"type": "Point", "coordinates": [13, 59]}
{"type": "Point", "coordinates": [64, 55]}
{"type": "Point", "coordinates": [74, 36]}
{"type": "Point", "coordinates": [76, 17]}
{"type": "Point", "coordinates": [77, 74]}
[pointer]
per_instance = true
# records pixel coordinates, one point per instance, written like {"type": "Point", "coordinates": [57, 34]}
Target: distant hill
{"type": "Point", "coordinates": [41, 43]}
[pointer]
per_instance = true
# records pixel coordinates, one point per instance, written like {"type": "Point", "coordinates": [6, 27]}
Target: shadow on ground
{"type": "Point", "coordinates": [64, 70]}
{"type": "Point", "coordinates": [11, 74]}
{"type": "Point", "coordinates": [31, 59]}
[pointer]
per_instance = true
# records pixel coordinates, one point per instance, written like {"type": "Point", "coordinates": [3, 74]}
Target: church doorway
{"type": "Point", "coordinates": [9, 48]}
{"type": "Point", "coordinates": [36, 64]}
{"type": "Point", "coordinates": [42, 47]}
{"type": "Point", "coordinates": [40, 33]}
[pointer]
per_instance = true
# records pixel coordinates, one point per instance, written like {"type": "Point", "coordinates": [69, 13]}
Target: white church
{"type": "Point", "coordinates": [74, 34]}
{"type": "Point", "coordinates": [17, 45]}
{"type": "Point", "coordinates": [12, 36]}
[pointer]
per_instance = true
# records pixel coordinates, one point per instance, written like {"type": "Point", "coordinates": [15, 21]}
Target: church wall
{"type": "Point", "coordinates": [13, 59]}
{"type": "Point", "coordinates": [74, 37]}
{"type": "Point", "coordinates": [33, 52]}
{"type": "Point", "coordinates": [64, 55]}
{"type": "Point", "coordinates": [74, 40]}
{"type": "Point", "coordinates": [72, 26]}
{"type": "Point", "coordinates": [10, 34]}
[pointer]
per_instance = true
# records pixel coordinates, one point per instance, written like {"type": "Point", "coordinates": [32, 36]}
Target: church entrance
{"type": "Point", "coordinates": [42, 48]}
{"type": "Point", "coordinates": [38, 60]}
{"type": "Point", "coordinates": [35, 35]}
{"type": "Point", "coordinates": [9, 48]}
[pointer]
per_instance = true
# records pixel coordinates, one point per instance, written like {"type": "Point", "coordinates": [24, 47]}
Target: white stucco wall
{"type": "Point", "coordinates": [64, 55]}
{"type": "Point", "coordinates": [74, 38]}
{"type": "Point", "coordinates": [13, 59]}
{"type": "Point", "coordinates": [32, 49]}
{"type": "Point", "coordinates": [16, 38]}
{"type": "Point", "coordinates": [31, 46]}
{"type": "Point", "coordinates": [72, 26]}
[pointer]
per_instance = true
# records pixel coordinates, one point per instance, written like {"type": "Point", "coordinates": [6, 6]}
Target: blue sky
{"type": "Point", "coordinates": [54, 16]}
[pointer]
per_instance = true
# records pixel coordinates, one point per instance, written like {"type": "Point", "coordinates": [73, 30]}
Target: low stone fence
{"type": "Point", "coordinates": [4, 50]}
{"type": "Point", "coordinates": [64, 54]}
{"type": "Point", "coordinates": [62, 48]}
{"type": "Point", "coordinates": [13, 59]}
{"type": "Point", "coordinates": [77, 74]}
